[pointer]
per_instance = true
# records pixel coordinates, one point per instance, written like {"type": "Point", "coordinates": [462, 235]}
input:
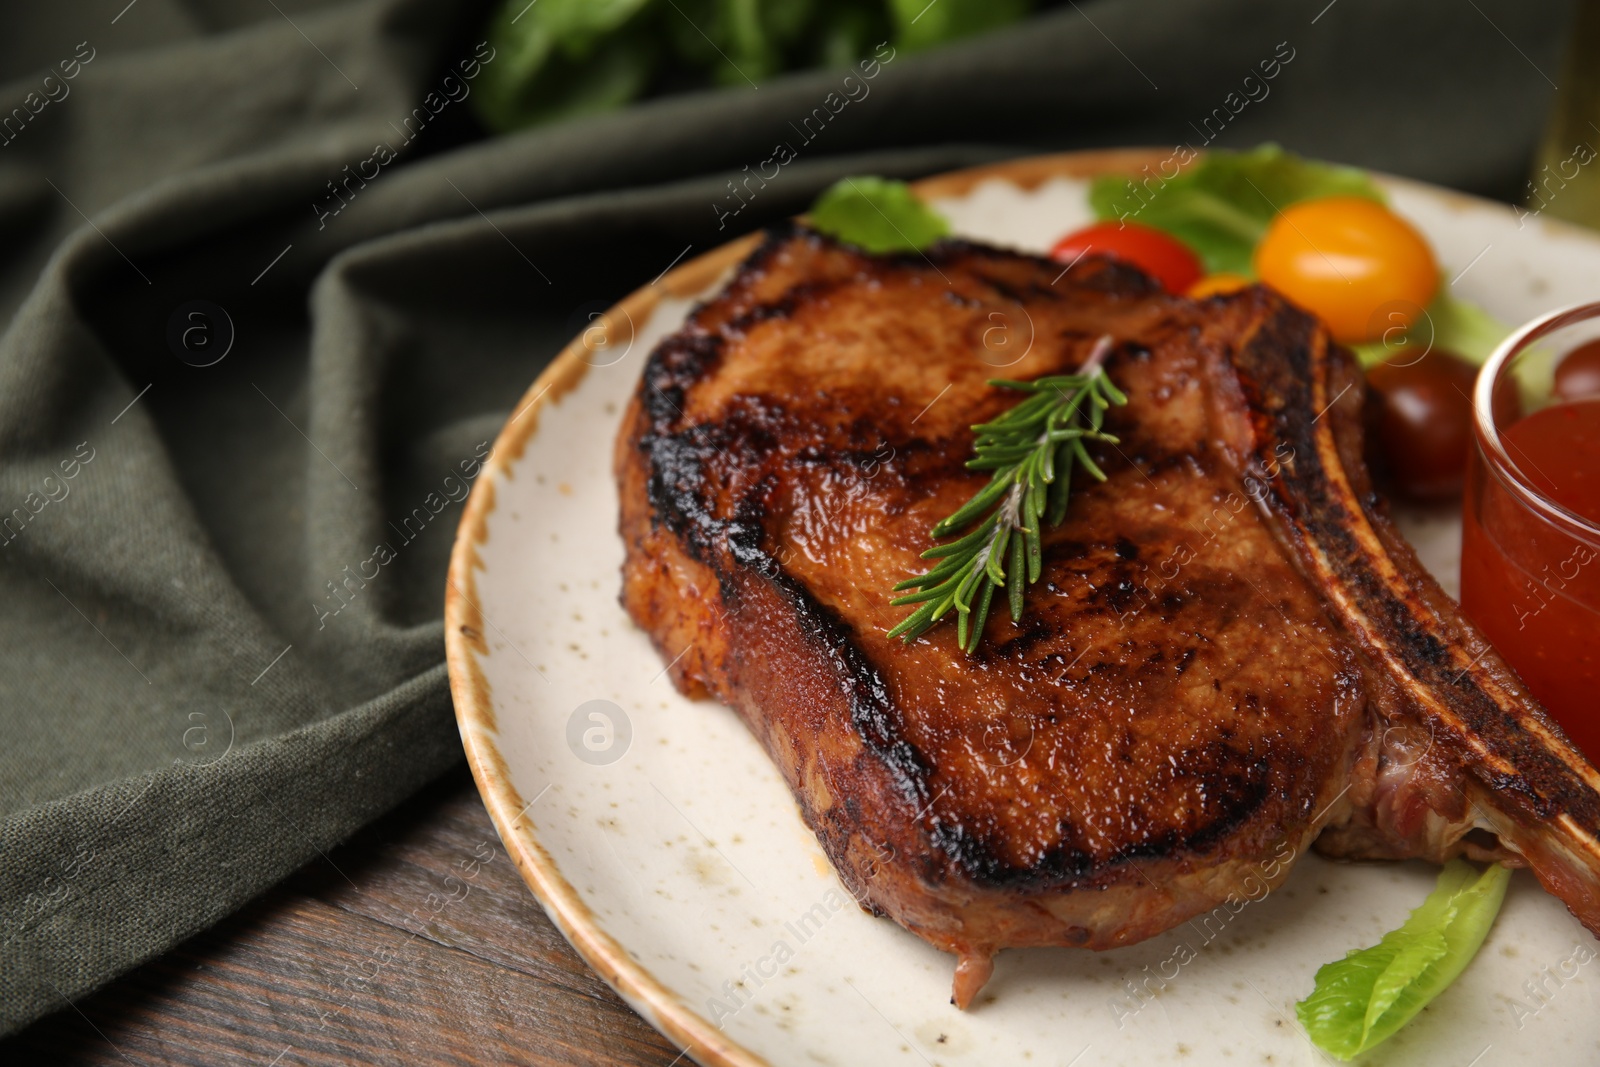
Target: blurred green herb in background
{"type": "Point", "coordinates": [559, 59]}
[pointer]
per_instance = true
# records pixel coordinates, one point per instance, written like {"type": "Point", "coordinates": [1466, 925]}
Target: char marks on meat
{"type": "Point", "coordinates": [1230, 650]}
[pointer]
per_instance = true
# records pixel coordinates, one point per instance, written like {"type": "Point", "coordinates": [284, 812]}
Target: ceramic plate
{"type": "Point", "coordinates": [667, 849]}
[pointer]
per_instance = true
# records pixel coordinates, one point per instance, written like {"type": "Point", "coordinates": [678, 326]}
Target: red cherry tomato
{"type": "Point", "coordinates": [1422, 422]}
{"type": "Point", "coordinates": [1160, 255]}
{"type": "Point", "coordinates": [1578, 373]}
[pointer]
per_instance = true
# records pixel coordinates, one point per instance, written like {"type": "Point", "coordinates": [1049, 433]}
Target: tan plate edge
{"type": "Point", "coordinates": [465, 622]}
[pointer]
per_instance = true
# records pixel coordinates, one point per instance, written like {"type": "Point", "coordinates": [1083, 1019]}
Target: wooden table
{"type": "Point", "coordinates": [379, 954]}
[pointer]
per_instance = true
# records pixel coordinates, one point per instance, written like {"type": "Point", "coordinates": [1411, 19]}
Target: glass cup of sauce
{"type": "Point", "coordinates": [1530, 554]}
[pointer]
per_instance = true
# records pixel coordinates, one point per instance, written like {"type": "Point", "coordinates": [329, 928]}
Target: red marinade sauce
{"type": "Point", "coordinates": [1533, 589]}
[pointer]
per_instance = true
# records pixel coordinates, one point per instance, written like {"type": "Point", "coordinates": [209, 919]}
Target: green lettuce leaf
{"type": "Point", "coordinates": [877, 214]}
{"type": "Point", "coordinates": [1448, 324]}
{"type": "Point", "coordinates": [1222, 205]}
{"type": "Point", "coordinates": [1366, 997]}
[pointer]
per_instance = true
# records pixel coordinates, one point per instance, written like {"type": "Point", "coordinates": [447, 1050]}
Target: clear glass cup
{"type": "Point", "coordinates": [1530, 560]}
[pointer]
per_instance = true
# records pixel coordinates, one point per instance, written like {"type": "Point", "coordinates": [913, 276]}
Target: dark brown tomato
{"type": "Point", "coordinates": [1423, 422]}
{"type": "Point", "coordinates": [1578, 373]}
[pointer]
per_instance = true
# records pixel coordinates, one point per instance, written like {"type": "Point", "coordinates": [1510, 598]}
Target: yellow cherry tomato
{"type": "Point", "coordinates": [1217, 284]}
{"type": "Point", "coordinates": [1352, 262]}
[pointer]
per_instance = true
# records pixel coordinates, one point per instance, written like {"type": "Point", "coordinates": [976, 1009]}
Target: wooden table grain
{"type": "Point", "coordinates": [415, 943]}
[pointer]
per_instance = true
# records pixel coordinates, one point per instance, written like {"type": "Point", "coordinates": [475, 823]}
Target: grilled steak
{"type": "Point", "coordinates": [1229, 653]}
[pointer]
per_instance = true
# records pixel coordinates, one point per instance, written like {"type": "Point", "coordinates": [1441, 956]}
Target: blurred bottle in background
{"type": "Point", "coordinates": [1566, 172]}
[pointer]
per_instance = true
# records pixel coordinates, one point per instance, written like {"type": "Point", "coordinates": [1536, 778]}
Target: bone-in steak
{"type": "Point", "coordinates": [1230, 651]}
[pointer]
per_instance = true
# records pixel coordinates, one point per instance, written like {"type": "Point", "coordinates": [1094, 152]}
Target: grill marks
{"type": "Point", "coordinates": [833, 353]}
{"type": "Point", "coordinates": [1326, 510]}
{"type": "Point", "coordinates": [1223, 636]}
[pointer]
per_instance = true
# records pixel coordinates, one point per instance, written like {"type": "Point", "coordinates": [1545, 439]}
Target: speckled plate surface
{"type": "Point", "coordinates": [667, 849]}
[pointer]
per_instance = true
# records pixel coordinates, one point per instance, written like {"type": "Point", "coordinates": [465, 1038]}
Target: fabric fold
{"type": "Point", "coordinates": [263, 319]}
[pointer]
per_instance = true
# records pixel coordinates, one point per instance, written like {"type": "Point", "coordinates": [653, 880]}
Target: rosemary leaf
{"type": "Point", "coordinates": [1031, 448]}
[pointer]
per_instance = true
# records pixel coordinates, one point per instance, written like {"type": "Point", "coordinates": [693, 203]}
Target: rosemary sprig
{"type": "Point", "coordinates": [1031, 449]}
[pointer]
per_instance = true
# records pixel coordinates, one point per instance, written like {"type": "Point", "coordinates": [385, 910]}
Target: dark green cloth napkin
{"type": "Point", "coordinates": [184, 717]}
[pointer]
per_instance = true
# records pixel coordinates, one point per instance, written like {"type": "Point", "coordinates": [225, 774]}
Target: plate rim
{"type": "Point", "coordinates": [472, 698]}
{"type": "Point", "coordinates": [470, 691]}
